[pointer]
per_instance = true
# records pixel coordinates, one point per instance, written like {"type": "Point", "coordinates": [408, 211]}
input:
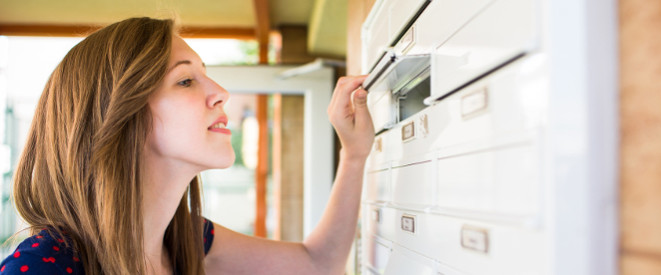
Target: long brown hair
{"type": "Point", "coordinates": [80, 171]}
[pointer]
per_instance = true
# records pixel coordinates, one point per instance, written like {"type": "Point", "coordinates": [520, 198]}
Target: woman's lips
{"type": "Point", "coordinates": [221, 130]}
{"type": "Point", "coordinates": [220, 126]}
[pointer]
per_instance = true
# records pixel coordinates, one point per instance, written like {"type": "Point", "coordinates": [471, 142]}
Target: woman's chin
{"type": "Point", "coordinates": [227, 163]}
{"type": "Point", "coordinates": [224, 166]}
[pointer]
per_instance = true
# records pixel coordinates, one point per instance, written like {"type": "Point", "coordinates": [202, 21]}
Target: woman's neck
{"type": "Point", "coordinates": [165, 183]}
{"type": "Point", "coordinates": [159, 264]}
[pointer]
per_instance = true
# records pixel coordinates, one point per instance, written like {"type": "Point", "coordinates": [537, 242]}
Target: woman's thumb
{"type": "Point", "coordinates": [362, 115]}
{"type": "Point", "coordinates": [360, 99]}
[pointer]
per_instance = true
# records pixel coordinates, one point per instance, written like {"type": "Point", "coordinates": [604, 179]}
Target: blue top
{"type": "Point", "coordinates": [43, 254]}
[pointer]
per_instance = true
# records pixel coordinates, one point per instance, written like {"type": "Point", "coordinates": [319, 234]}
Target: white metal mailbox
{"type": "Point", "coordinates": [496, 137]}
{"type": "Point", "coordinates": [383, 27]}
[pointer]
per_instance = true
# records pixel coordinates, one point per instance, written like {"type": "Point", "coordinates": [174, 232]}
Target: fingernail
{"type": "Point", "coordinates": [362, 94]}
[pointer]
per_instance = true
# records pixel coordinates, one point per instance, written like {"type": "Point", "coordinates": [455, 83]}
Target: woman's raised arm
{"type": "Point", "coordinates": [326, 249]}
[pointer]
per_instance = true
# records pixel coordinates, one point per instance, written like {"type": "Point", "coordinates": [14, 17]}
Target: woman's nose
{"type": "Point", "coordinates": [217, 95]}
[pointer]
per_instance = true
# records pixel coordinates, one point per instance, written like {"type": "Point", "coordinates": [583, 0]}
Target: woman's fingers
{"type": "Point", "coordinates": [349, 115]}
{"type": "Point", "coordinates": [345, 86]}
{"type": "Point", "coordinates": [362, 115]}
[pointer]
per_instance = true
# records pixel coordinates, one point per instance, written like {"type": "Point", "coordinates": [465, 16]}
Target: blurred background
{"type": "Point", "coordinates": [262, 194]}
{"type": "Point", "coordinates": [35, 36]}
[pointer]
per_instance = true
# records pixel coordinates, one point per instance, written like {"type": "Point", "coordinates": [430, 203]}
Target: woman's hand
{"type": "Point", "coordinates": [348, 113]}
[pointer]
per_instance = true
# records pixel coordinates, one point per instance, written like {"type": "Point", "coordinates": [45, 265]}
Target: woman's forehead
{"type": "Point", "coordinates": [181, 51]}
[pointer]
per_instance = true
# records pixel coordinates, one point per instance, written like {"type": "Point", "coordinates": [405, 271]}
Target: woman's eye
{"type": "Point", "coordinates": [185, 82]}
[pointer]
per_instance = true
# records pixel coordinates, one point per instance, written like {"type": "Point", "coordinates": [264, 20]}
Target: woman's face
{"type": "Point", "coordinates": [188, 121]}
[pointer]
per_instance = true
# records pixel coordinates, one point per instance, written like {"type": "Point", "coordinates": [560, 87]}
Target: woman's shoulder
{"type": "Point", "coordinates": [44, 253]}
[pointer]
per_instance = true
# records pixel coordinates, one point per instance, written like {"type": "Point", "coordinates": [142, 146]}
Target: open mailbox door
{"type": "Point", "coordinates": [397, 88]}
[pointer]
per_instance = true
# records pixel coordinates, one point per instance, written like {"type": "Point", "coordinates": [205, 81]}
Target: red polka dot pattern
{"type": "Point", "coordinates": [45, 254]}
{"type": "Point", "coordinates": [208, 235]}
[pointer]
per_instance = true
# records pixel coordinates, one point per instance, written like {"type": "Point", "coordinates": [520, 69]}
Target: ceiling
{"type": "Point", "coordinates": [326, 19]}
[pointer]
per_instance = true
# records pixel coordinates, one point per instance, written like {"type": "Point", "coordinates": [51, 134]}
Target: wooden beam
{"type": "Point", "coordinates": [211, 32]}
{"type": "Point", "coordinates": [261, 172]}
{"type": "Point", "coordinates": [294, 48]}
{"type": "Point", "coordinates": [84, 30]}
{"type": "Point", "coordinates": [47, 30]}
{"type": "Point", "coordinates": [262, 29]}
{"type": "Point", "coordinates": [640, 132]}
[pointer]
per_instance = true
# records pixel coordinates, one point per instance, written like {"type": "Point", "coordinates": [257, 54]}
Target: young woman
{"type": "Point", "coordinates": [108, 178]}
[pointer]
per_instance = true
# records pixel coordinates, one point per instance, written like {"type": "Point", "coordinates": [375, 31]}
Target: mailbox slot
{"type": "Point", "coordinates": [397, 88]}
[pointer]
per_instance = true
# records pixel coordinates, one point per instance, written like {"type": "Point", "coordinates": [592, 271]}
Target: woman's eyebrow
{"type": "Point", "coordinates": [188, 62]}
{"type": "Point", "coordinates": [179, 63]}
